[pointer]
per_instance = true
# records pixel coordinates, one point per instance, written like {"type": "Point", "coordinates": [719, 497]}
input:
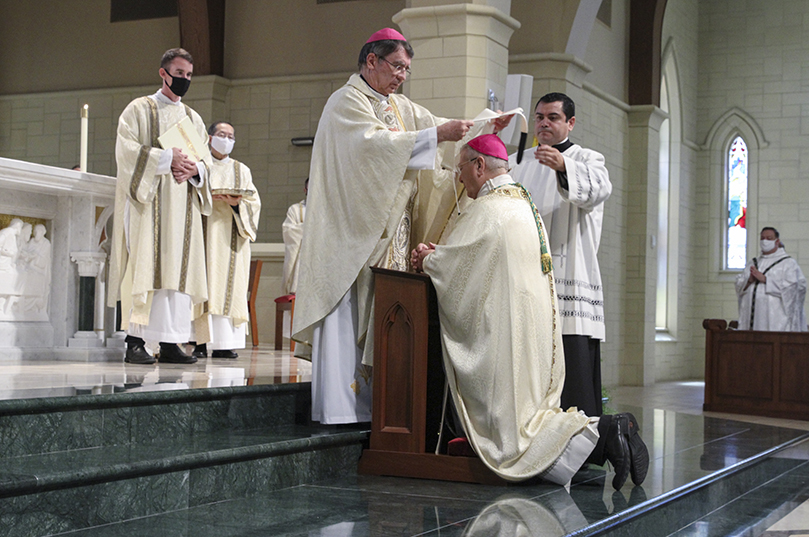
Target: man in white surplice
{"type": "Point", "coordinates": [772, 289]}
{"type": "Point", "coordinates": [501, 336]}
{"type": "Point", "coordinates": [376, 176]}
{"type": "Point", "coordinates": [229, 230]}
{"type": "Point", "coordinates": [158, 259]}
{"type": "Point", "coordinates": [569, 185]}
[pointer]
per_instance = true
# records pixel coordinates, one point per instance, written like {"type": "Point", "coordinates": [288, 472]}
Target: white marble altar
{"type": "Point", "coordinates": [40, 284]}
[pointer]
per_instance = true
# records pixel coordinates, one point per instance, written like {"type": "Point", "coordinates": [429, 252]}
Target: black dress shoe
{"type": "Point", "coordinates": [200, 351]}
{"type": "Point", "coordinates": [136, 354]}
{"type": "Point", "coordinates": [170, 353]}
{"type": "Point", "coordinates": [224, 354]}
{"type": "Point", "coordinates": [638, 453]}
{"type": "Point", "coordinates": [617, 449]}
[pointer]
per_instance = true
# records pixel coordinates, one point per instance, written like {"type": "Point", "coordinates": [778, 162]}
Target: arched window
{"type": "Point", "coordinates": [736, 189]}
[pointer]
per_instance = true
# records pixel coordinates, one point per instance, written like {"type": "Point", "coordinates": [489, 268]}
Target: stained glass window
{"type": "Point", "coordinates": [736, 236]}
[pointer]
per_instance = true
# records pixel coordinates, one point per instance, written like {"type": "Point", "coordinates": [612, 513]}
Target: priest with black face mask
{"type": "Point", "coordinates": [569, 185]}
{"type": "Point", "coordinates": [157, 266]}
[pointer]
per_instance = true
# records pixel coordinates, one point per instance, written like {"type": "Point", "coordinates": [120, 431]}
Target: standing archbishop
{"type": "Point", "coordinates": [378, 174]}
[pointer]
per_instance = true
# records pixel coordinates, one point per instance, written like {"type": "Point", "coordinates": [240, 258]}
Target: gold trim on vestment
{"type": "Point", "coordinates": [137, 175]}
{"type": "Point", "coordinates": [237, 173]}
{"type": "Point", "coordinates": [516, 190]}
{"type": "Point", "coordinates": [398, 115]}
{"type": "Point", "coordinates": [205, 253]}
{"type": "Point", "coordinates": [158, 279]}
{"type": "Point", "coordinates": [154, 122]}
{"type": "Point", "coordinates": [234, 243]}
{"type": "Point", "coordinates": [189, 204]}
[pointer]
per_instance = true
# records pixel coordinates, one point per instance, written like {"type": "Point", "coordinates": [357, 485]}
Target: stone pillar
{"type": "Point", "coordinates": [637, 366]}
{"type": "Point", "coordinates": [90, 265]}
{"type": "Point", "coordinates": [461, 53]}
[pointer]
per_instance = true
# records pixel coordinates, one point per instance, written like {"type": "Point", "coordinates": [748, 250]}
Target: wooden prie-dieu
{"type": "Point", "coordinates": [408, 386]}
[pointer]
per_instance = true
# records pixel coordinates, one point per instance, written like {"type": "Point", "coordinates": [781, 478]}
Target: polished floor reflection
{"type": "Point", "coordinates": [686, 449]}
{"type": "Point", "coordinates": [710, 474]}
{"type": "Point", "coordinates": [52, 378]}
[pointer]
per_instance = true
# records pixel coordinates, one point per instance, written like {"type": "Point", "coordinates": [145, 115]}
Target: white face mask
{"type": "Point", "coordinates": [766, 245]}
{"type": "Point", "coordinates": [222, 145]}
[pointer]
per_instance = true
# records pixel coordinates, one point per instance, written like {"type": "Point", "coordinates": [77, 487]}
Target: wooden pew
{"type": "Point", "coordinates": [755, 372]}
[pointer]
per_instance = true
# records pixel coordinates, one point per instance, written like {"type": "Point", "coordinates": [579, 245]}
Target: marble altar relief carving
{"type": "Point", "coordinates": [25, 270]}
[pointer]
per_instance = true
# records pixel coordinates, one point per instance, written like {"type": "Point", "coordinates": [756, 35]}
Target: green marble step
{"type": "Point", "coordinates": [72, 463]}
{"type": "Point", "coordinates": [75, 468]}
{"type": "Point", "coordinates": [48, 425]}
{"type": "Point", "coordinates": [76, 491]}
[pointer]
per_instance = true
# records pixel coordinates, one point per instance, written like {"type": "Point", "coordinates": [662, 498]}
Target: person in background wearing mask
{"type": "Point", "coordinates": [230, 229]}
{"type": "Point", "coordinates": [772, 289]}
{"type": "Point", "coordinates": [157, 263]}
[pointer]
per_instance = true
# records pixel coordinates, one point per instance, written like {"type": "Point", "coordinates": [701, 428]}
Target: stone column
{"type": "Point", "coordinates": [90, 265]}
{"type": "Point", "coordinates": [637, 365]}
{"type": "Point", "coordinates": [461, 53]}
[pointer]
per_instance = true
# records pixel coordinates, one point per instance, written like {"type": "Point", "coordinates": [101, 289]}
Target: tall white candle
{"type": "Point", "coordinates": [83, 150]}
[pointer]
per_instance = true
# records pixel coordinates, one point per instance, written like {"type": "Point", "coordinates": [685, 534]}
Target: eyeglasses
{"type": "Point", "coordinates": [223, 135]}
{"type": "Point", "coordinates": [398, 69]}
{"type": "Point", "coordinates": [459, 167]}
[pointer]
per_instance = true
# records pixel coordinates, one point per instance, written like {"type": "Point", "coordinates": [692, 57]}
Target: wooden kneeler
{"type": "Point", "coordinates": [408, 386]}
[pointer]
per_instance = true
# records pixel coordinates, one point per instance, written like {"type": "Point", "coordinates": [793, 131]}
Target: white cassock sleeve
{"type": "Point", "coordinates": [423, 155]}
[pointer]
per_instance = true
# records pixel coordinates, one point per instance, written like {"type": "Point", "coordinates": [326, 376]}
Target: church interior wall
{"type": "Point", "coordinates": [681, 355]}
{"type": "Point", "coordinates": [62, 46]}
{"type": "Point", "coordinates": [753, 60]}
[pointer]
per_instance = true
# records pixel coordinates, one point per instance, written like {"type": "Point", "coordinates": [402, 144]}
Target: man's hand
{"type": "Point", "coordinates": [502, 122]}
{"type": "Point", "coordinates": [757, 275]}
{"type": "Point", "coordinates": [453, 130]}
{"type": "Point", "coordinates": [550, 157]}
{"type": "Point", "coordinates": [418, 254]}
{"type": "Point", "coordinates": [182, 167]}
{"type": "Point", "coordinates": [227, 198]}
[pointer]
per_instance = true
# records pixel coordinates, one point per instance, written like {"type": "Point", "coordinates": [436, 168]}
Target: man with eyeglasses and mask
{"type": "Point", "coordinates": [231, 227]}
{"type": "Point", "coordinates": [380, 173]}
{"type": "Point", "coordinates": [772, 289]}
{"type": "Point", "coordinates": [158, 256]}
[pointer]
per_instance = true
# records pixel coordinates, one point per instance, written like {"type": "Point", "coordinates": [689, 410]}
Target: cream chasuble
{"type": "Point", "coordinates": [164, 236]}
{"type": "Point", "coordinates": [501, 336]}
{"type": "Point", "coordinates": [360, 190]}
{"type": "Point", "coordinates": [367, 203]}
{"type": "Point", "coordinates": [228, 234]}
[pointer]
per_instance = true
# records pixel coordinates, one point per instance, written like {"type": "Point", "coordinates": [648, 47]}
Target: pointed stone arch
{"type": "Point", "coordinates": [732, 123]}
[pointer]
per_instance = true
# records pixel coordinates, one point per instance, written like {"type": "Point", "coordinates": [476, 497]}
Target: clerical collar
{"type": "Point", "coordinates": [563, 145]}
{"type": "Point", "coordinates": [383, 98]}
{"type": "Point", "coordinates": [494, 182]}
{"type": "Point", "coordinates": [161, 98]}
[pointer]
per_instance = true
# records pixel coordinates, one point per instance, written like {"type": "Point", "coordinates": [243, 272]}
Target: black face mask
{"type": "Point", "coordinates": [179, 85]}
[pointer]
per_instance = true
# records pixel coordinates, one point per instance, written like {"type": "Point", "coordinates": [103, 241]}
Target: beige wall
{"type": "Point", "coordinates": [683, 356]}
{"type": "Point", "coordinates": [293, 37]}
{"type": "Point", "coordinates": [51, 45]}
